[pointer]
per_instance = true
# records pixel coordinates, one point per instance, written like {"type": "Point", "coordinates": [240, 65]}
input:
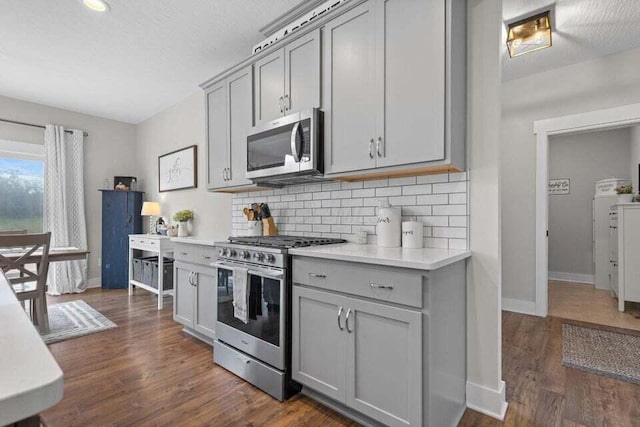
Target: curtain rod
{"type": "Point", "coordinates": [34, 126]}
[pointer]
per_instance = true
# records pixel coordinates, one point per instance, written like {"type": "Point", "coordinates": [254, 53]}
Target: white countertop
{"type": "Point", "coordinates": [200, 240]}
{"type": "Point", "coordinates": [30, 378]}
{"type": "Point", "coordinates": [420, 259]}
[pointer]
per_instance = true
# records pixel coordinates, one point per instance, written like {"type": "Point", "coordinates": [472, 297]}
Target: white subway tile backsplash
{"type": "Point", "coordinates": [341, 209]}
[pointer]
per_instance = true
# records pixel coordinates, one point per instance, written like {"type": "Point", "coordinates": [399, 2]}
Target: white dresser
{"type": "Point", "coordinates": [625, 253]}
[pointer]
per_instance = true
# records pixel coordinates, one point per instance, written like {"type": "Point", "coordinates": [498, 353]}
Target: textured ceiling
{"type": "Point", "coordinates": [584, 29]}
{"type": "Point", "coordinates": [137, 60]}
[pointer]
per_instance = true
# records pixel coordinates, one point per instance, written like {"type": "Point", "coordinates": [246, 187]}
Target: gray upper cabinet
{"type": "Point", "coordinates": [411, 70]}
{"type": "Point", "coordinates": [384, 363]}
{"type": "Point", "coordinates": [288, 80]}
{"type": "Point", "coordinates": [392, 86]}
{"type": "Point", "coordinates": [302, 73]}
{"type": "Point", "coordinates": [229, 108]}
{"type": "Point", "coordinates": [217, 145]}
{"type": "Point", "coordinates": [348, 87]}
{"type": "Point", "coordinates": [319, 344]}
{"type": "Point", "coordinates": [240, 89]}
{"type": "Point", "coordinates": [269, 84]}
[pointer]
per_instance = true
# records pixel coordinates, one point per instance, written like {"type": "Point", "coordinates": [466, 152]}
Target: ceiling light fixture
{"type": "Point", "coordinates": [96, 5]}
{"type": "Point", "coordinates": [529, 34]}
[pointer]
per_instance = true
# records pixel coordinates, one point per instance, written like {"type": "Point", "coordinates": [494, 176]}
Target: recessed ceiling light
{"type": "Point", "coordinates": [529, 34]}
{"type": "Point", "coordinates": [96, 5]}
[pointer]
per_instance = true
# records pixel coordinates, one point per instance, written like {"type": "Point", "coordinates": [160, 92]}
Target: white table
{"type": "Point", "coordinates": [157, 244]}
{"type": "Point", "coordinates": [30, 378]}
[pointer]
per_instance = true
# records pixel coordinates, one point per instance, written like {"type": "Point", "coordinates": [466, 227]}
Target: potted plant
{"type": "Point", "coordinates": [183, 217]}
{"type": "Point", "coordinates": [625, 194]}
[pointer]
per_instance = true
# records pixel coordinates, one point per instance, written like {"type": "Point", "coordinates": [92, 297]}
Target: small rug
{"type": "Point", "coordinates": [74, 319]}
{"type": "Point", "coordinates": [612, 354]}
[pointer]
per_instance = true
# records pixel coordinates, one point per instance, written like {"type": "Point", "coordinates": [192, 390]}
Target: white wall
{"type": "Point", "coordinates": [180, 126]}
{"type": "Point", "coordinates": [635, 158]}
{"type": "Point", "coordinates": [109, 151]}
{"type": "Point", "coordinates": [585, 159]}
{"type": "Point", "coordinates": [592, 85]}
{"type": "Point", "coordinates": [485, 388]}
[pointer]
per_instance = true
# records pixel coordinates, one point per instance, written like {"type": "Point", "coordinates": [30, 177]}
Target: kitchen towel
{"type": "Point", "coordinates": [241, 294]}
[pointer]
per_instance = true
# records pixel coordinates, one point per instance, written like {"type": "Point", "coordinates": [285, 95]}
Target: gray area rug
{"type": "Point", "coordinates": [74, 319]}
{"type": "Point", "coordinates": [601, 352]}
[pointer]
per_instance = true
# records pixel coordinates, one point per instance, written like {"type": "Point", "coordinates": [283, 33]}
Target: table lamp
{"type": "Point", "coordinates": [151, 209]}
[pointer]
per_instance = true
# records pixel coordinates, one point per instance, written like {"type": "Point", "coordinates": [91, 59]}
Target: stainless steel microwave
{"type": "Point", "coordinates": [287, 150]}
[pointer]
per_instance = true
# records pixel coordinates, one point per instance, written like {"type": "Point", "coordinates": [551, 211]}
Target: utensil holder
{"type": "Point", "coordinates": [254, 228]}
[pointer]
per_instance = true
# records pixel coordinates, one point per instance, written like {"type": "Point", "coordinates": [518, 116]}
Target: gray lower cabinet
{"type": "Point", "coordinates": [195, 300]}
{"type": "Point", "coordinates": [229, 109]}
{"type": "Point", "coordinates": [364, 342]}
{"type": "Point", "coordinates": [362, 354]}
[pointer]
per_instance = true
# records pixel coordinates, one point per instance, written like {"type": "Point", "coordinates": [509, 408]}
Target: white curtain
{"type": "Point", "coordinates": [64, 206]}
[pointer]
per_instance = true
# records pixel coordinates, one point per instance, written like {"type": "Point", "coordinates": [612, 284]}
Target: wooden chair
{"type": "Point", "coordinates": [29, 285]}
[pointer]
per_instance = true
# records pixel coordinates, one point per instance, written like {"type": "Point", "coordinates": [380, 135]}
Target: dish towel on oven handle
{"type": "Point", "coordinates": [241, 294]}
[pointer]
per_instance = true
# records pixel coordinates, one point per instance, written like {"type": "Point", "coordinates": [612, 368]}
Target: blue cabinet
{"type": "Point", "coordinates": [120, 217]}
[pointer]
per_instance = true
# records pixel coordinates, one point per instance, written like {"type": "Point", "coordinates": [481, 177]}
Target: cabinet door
{"type": "Point", "coordinates": [349, 100]}
{"type": "Point", "coordinates": [318, 343]}
{"type": "Point", "coordinates": [384, 363]}
{"type": "Point", "coordinates": [302, 73]}
{"type": "Point", "coordinates": [269, 84]}
{"type": "Point", "coordinates": [217, 135]}
{"type": "Point", "coordinates": [410, 83]}
{"type": "Point", "coordinates": [240, 93]}
{"type": "Point", "coordinates": [115, 239]}
{"type": "Point", "coordinates": [206, 300]}
{"type": "Point", "coordinates": [183, 298]}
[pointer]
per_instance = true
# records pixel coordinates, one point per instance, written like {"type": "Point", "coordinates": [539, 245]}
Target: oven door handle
{"type": "Point", "coordinates": [269, 274]}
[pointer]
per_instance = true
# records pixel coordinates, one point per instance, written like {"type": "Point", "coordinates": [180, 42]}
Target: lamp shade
{"type": "Point", "coordinates": [150, 209]}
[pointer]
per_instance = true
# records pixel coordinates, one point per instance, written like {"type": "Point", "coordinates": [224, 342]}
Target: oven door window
{"type": "Point", "coordinates": [265, 299]}
{"type": "Point", "coordinates": [273, 148]}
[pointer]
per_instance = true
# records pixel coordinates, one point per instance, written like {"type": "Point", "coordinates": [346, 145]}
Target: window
{"type": "Point", "coordinates": [21, 186]}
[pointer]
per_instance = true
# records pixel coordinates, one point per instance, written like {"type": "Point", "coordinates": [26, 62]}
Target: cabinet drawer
{"type": "Point", "coordinates": [144, 243]}
{"type": "Point", "coordinates": [197, 254]}
{"type": "Point", "coordinates": [390, 284]}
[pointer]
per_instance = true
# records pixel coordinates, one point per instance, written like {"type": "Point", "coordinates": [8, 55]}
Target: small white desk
{"type": "Point", "coordinates": [157, 244]}
{"type": "Point", "coordinates": [30, 378]}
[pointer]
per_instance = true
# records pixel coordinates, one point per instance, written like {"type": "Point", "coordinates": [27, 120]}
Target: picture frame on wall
{"type": "Point", "coordinates": [178, 170]}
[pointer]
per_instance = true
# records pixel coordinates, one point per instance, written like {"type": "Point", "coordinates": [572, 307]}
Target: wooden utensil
{"type": "Point", "coordinates": [246, 211]}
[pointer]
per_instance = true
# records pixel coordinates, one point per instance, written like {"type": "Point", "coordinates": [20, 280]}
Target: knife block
{"type": "Point", "coordinates": [269, 227]}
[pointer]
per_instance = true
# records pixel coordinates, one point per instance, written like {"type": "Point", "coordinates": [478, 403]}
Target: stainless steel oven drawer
{"type": "Point", "coordinates": [264, 377]}
{"type": "Point", "coordinates": [389, 284]}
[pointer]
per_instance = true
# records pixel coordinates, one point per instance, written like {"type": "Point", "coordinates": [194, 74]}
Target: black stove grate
{"type": "Point", "coordinates": [284, 242]}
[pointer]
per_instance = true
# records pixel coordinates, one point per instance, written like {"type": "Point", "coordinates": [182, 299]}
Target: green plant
{"type": "Point", "coordinates": [624, 189]}
{"type": "Point", "coordinates": [183, 215]}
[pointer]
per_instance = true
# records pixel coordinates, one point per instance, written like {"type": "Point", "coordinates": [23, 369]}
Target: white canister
{"type": "Point", "coordinates": [254, 228]}
{"type": "Point", "coordinates": [388, 229]}
{"type": "Point", "coordinates": [412, 234]}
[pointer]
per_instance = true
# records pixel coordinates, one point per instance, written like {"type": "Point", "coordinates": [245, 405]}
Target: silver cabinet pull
{"type": "Point", "coordinates": [206, 257]}
{"type": "Point", "coordinates": [224, 174]}
{"type": "Point", "coordinates": [339, 323]}
{"type": "Point", "coordinates": [281, 104]}
{"type": "Point", "coordinates": [371, 148]}
{"type": "Point", "coordinates": [184, 253]}
{"type": "Point", "coordinates": [379, 146]}
{"type": "Point", "coordinates": [318, 275]}
{"type": "Point", "coordinates": [347, 320]}
{"type": "Point", "coordinates": [287, 103]}
{"type": "Point", "coordinates": [195, 278]}
{"type": "Point", "coordinates": [228, 174]}
{"type": "Point", "coordinates": [376, 286]}
{"type": "Point", "coordinates": [190, 276]}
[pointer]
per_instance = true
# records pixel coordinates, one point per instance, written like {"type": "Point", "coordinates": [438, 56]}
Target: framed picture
{"type": "Point", "coordinates": [559, 187]}
{"type": "Point", "coordinates": [178, 170]}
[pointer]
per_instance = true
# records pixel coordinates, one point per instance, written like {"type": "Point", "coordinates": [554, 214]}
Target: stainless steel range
{"type": "Point", "coordinates": [253, 337]}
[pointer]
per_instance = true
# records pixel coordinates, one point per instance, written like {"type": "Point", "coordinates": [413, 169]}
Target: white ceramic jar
{"type": "Point", "coordinates": [412, 234]}
{"type": "Point", "coordinates": [388, 229]}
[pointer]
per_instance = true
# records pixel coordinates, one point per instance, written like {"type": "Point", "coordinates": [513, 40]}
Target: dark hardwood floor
{"type": "Point", "coordinates": [147, 372]}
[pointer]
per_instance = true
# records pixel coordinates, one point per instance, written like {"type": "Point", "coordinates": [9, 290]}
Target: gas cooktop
{"type": "Point", "coordinates": [284, 242]}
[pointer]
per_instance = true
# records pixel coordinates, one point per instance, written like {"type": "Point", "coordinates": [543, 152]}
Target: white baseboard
{"type": "Point", "coordinates": [519, 306]}
{"type": "Point", "coordinates": [487, 401]}
{"type": "Point", "coordinates": [94, 282]}
{"type": "Point", "coordinates": [572, 277]}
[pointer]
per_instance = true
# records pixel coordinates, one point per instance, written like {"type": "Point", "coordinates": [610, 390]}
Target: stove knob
{"type": "Point", "coordinates": [271, 258]}
{"type": "Point", "coordinates": [221, 252]}
{"type": "Point", "coordinates": [244, 254]}
{"type": "Point", "coordinates": [232, 253]}
{"type": "Point", "coordinates": [258, 256]}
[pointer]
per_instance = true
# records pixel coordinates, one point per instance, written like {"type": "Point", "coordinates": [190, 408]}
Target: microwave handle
{"type": "Point", "coordinates": [294, 141]}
